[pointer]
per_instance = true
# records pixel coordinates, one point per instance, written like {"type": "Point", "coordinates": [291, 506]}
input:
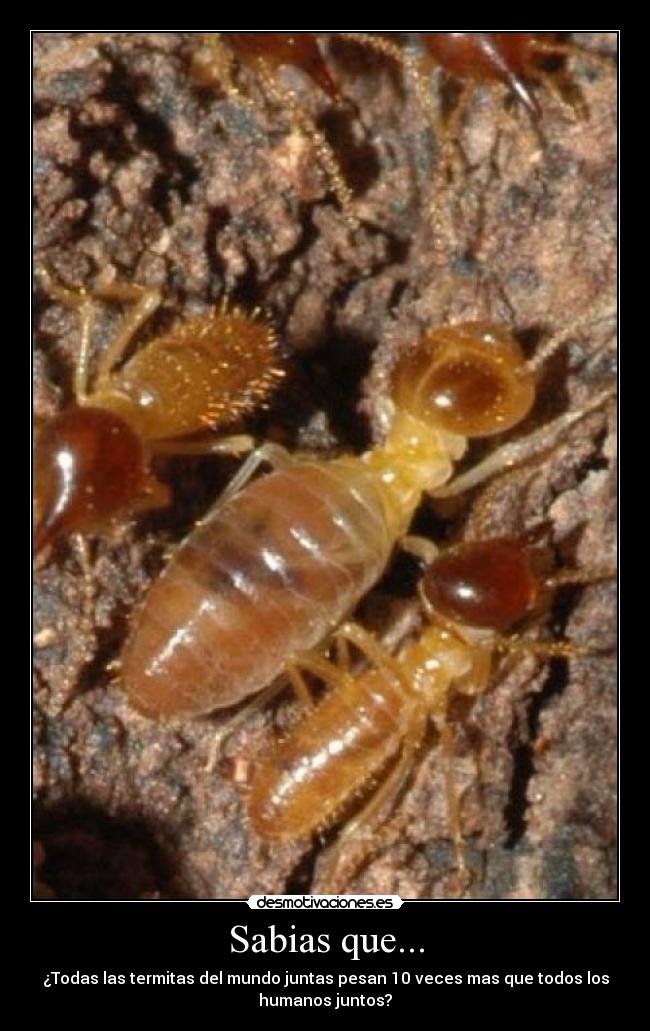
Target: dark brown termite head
{"type": "Point", "coordinates": [470, 379]}
{"type": "Point", "coordinates": [298, 50]}
{"type": "Point", "coordinates": [486, 57]}
{"type": "Point", "coordinates": [270, 50]}
{"type": "Point", "coordinates": [520, 60]}
{"type": "Point", "coordinates": [489, 584]}
{"type": "Point", "coordinates": [89, 467]}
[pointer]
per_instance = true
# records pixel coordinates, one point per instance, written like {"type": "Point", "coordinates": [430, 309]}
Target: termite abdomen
{"type": "Point", "coordinates": [202, 373]}
{"type": "Point", "coordinates": [488, 584]}
{"type": "Point", "coordinates": [309, 777]}
{"type": "Point", "coordinates": [267, 575]}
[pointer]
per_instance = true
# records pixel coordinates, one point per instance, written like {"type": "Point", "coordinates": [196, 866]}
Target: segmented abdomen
{"type": "Point", "coordinates": [268, 575]}
{"type": "Point", "coordinates": [201, 373]}
{"type": "Point", "coordinates": [327, 758]}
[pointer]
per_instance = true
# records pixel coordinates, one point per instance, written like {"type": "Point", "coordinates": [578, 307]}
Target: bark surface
{"type": "Point", "coordinates": [198, 193]}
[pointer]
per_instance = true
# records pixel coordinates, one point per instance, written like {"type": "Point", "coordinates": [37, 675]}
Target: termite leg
{"type": "Point", "coordinates": [483, 507]}
{"type": "Point", "coordinates": [420, 547]}
{"type": "Point", "coordinates": [567, 49]}
{"type": "Point", "coordinates": [213, 65]}
{"type": "Point", "coordinates": [322, 668]}
{"type": "Point", "coordinates": [81, 647]}
{"type": "Point", "coordinates": [597, 312]}
{"type": "Point", "coordinates": [237, 444]}
{"type": "Point", "coordinates": [231, 726]}
{"type": "Point", "coordinates": [361, 825]}
{"type": "Point", "coordinates": [260, 701]}
{"type": "Point", "coordinates": [285, 98]}
{"type": "Point", "coordinates": [451, 152]}
{"type": "Point", "coordinates": [519, 452]}
{"type": "Point", "coordinates": [275, 455]}
{"type": "Point", "coordinates": [154, 495]}
{"type": "Point", "coordinates": [379, 43]}
{"type": "Point", "coordinates": [83, 557]}
{"type": "Point", "coordinates": [427, 607]}
{"type": "Point", "coordinates": [81, 300]}
{"type": "Point", "coordinates": [342, 652]}
{"type": "Point", "coordinates": [561, 86]}
{"type": "Point", "coordinates": [373, 650]}
{"type": "Point", "coordinates": [299, 684]}
{"type": "Point", "coordinates": [145, 300]}
{"type": "Point", "coordinates": [543, 649]}
{"type": "Point", "coordinates": [451, 164]}
{"type": "Point", "coordinates": [584, 575]}
{"type": "Point", "coordinates": [453, 800]}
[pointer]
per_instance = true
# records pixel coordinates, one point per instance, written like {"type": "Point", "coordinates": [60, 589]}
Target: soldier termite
{"type": "Point", "coordinates": [371, 725]}
{"type": "Point", "coordinates": [92, 460]}
{"type": "Point", "coordinates": [279, 562]}
{"type": "Point", "coordinates": [520, 61]}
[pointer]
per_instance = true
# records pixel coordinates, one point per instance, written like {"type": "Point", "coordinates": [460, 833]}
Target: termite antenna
{"type": "Point", "coordinates": [287, 99]}
{"type": "Point", "coordinates": [522, 451]}
{"type": "Point", "coordinates": [580, 577]}
{"type": "Point", "coordinates": [383, 46]}
{"type": "Point", "coordinates": [599, 312]}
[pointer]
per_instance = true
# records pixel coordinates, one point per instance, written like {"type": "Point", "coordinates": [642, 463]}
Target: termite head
{"type": "Point", "coordinates": [211, 63]}
{"type": "Point", "coordinates": [470, 379]}
{"type": "Point", "coordinates": [506, 57]}
{"type": "Point", "coordinates": [299, 50]}
{"type": "Point", "coordinates": [89, 467]}
{"type": "Point", "coordinates": [489, 584]}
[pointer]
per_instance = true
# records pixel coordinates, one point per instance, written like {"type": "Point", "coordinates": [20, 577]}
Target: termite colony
{"type": "Point", "coordinates": [264, 592]}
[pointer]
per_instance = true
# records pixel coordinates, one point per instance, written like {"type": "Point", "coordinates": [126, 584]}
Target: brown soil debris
{"type": "Point", "coordinates": [199, 193]}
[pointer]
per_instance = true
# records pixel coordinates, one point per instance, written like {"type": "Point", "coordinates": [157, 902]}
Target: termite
{"type": "Point", "coordinates": [520, 61]}
{"type": "Point", "coordinates": [372, 724]}
{"type": "Point", "coordinates": [93, 460]}
{"type": "Point", "coordinates": [282, 560]}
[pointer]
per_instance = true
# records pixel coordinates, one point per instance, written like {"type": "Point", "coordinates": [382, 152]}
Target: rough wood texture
{"type": "Point", "coordinates": [197, 193]}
